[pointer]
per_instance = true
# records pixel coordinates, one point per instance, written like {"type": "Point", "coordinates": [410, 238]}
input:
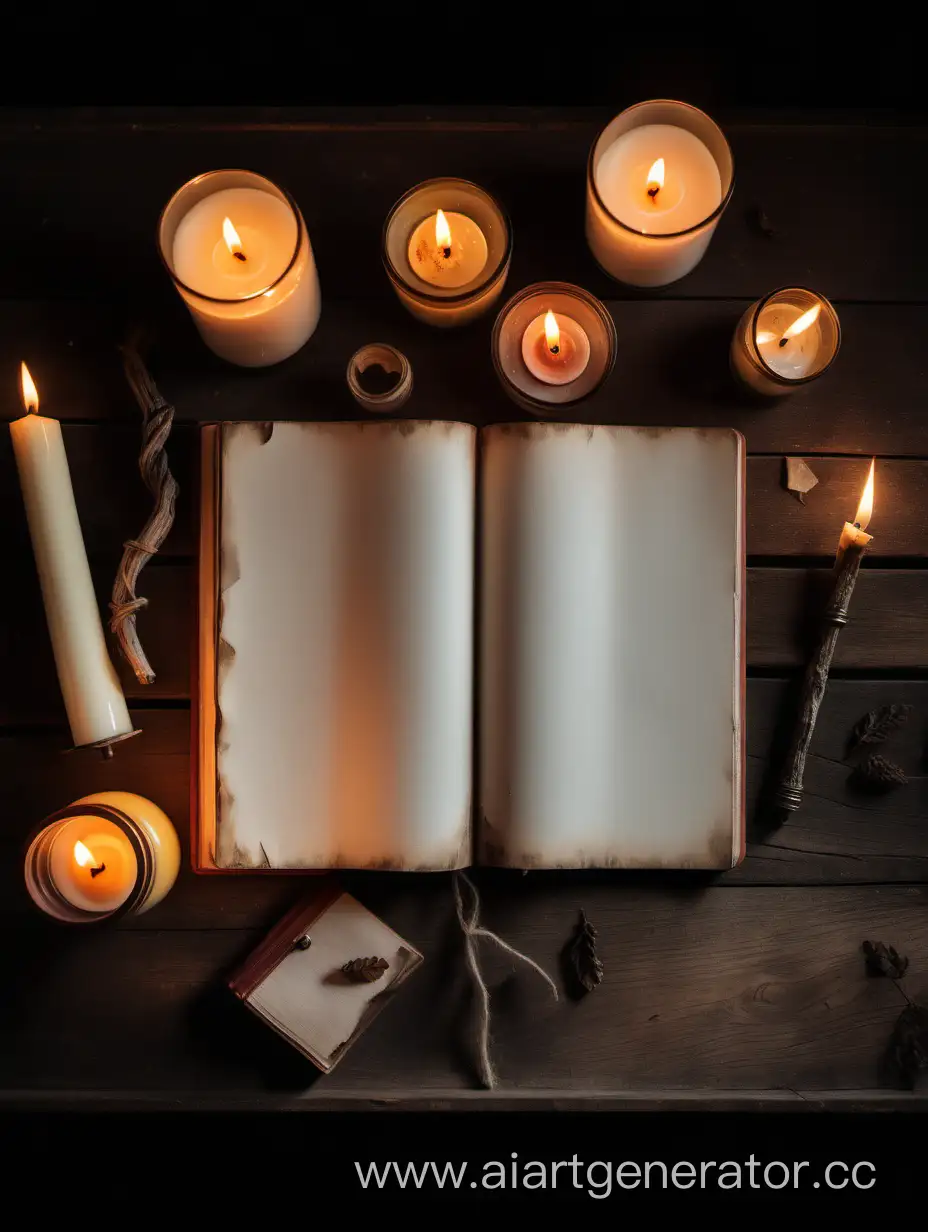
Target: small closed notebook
{"type": "Point", "coordinates": [301, 990]}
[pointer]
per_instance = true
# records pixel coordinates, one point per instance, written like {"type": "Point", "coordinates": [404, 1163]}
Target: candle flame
{"type": "Point", "coordinates": [552, 333]}
{"type": "Point", "coordinates": [232, 239]}
{"type": "Point", "coordinates": [83, 855]}
{"type": "Point", "coordinates": [801, 324]}
{"type": "Point", "coordinates": [655, 178]}
{"type": "Point", "coordinates": [30, 393]}
{"type": "Point", "coordinates": [442, 233]}
{"type": "Point", "coordinates": [865, 508]}
{"type": "Point", "coordinates": [765, 335]}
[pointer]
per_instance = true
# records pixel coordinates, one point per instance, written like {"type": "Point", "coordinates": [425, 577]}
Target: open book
{"type": "Point", "coordinates": [373, 600]}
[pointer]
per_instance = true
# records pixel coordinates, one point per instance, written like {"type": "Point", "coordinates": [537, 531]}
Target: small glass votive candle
{"type": "Point", "coordinates": [238, 251]}
{"type": "Point", "coordinates": [658, 180]}
{"type": "Point", "coordinates": [553, 345]}
{"type": "Point", "coordinates": [446, 249]}
{"type": "Point", "coordinates": [103, 857]}
{"type": "Point", "coordinates": [786, 339]}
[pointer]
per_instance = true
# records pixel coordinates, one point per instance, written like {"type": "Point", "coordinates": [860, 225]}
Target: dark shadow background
{"type": "Point", "coordinates": [791, 56]}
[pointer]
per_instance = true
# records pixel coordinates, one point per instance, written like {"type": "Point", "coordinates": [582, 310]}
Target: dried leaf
{"type": "Point", "coordinates": [877, 774]}
{"type": "Point", "coordinates": [800, 478]}
{"type": "Point", "coordinates": [909, 1043]}
{"type": "Point", "coordinates": [584, 961]}
{"type": "Point", "coordinates": [884, 960]}
{"type": "Point", "coordinates": [365, 970]}
{"type": "Point", "coordinates": [875, 726]}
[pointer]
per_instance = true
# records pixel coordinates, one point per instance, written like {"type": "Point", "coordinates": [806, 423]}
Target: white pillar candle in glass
{"type": "Point", "coordinates": [238, 251]}
{"type": "Point", "coordinates": [785, 340]}
{"type": "Point", "coordinates": [658, 179]}
{"type": "Point", "coordinates": [91, 690]}
{"type": "Point", "coordinates": [446, 250]}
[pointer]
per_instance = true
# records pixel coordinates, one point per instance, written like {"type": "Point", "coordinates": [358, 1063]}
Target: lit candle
{"type": "Point", "coordinates": [852, 533]}
{"type": "Point", "coordinates": [553, 345]}
{"type": "Point", "coordinates": [659, 177]}
{"type": "Point", "coordinates": [108, 852]}
{"type": "Point", "coordinates": [448, 250]}
{"type": "Point", "coordinates": [93, 864]}
{"type": "Point", "coordinates": [239, 253]}
{"type": "Point", "coordinates": [851, 547]}
{"type": "Point", "coordinates": [785, 340]}
{"type": "Point", "coordinates": [92, 694]}
{"type": "Point", "coordinates": [555, 349]}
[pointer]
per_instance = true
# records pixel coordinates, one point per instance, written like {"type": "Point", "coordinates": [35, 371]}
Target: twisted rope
{"type": "Point", "coordinates": [469, 919]}
{"type": "Point", "coordinates": [157, 418]}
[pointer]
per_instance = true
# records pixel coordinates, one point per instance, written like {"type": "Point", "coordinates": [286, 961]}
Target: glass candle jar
{"type": "Point", "coordinates": [238, 251]}
{"type": "Point", "coordinates": [659, 177]}
{"type": "Point", "coordinates": [446, 249]}
{"type": "Point", "coordinates": [104, 856]}
{"type": "Point", "coordinates": [392, 391]}
{"type": "Point", "coordinates": [786, 339]}
{"type": "Point", "coordinates": [552, 345]}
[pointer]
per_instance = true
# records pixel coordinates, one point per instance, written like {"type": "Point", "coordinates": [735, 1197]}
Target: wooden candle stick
{"type": "Point", "coordinates": [853, 544]}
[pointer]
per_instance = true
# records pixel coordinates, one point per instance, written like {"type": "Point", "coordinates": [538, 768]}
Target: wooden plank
{"type": "Point", "coordinates": [839, 836]}
{"type": "Point", "coordinates": [672, 368]}
{"type": "Point", "coordinates": [722, 988]}
{"type": "Point", "coordinates": [112, 501]}
{"type": "Point", "coordinates": [779, 525]}
{"type": "Point", "coordinates": [888, 618]}
{"type": "Point", "coordinates": [887, 629]}
{"type": "Point", "coordinates": [346, 178]}
{"type": "Point", "coordinates": [319, 1099]}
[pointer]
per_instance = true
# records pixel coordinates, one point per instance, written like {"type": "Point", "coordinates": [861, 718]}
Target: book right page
{"type": "Point", "coordinates": [611, 630]}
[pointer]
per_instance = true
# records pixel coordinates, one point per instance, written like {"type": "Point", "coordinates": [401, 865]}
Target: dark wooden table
{"type": "Point", "coordinates": [743, 989]}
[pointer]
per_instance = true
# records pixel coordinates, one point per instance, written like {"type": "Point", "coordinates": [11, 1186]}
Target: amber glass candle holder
{"type": "Point", "coordinates": [133, 840]}
{"type": "Point", "coordinates": [516, 317]}
{"type": "Point", "coordinates": [475, 218]}
{"type": "Point", "coordinates": [787, 339]}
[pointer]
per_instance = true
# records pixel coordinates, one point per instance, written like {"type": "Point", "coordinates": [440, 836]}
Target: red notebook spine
{"type": "Point", "coordinates": [282, 938]}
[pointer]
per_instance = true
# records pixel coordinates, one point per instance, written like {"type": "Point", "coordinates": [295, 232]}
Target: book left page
{"type": "Point", "coordinates": [342, 678]}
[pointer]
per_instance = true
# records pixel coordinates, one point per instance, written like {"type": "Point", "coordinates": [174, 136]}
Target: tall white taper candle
{"type": "Point", "coordinates": [92, 694]}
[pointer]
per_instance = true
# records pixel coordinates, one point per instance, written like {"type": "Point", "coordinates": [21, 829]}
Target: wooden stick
{"type": "Point", "coordinates": [788, 794]}
{"type": "Point", "coordinates": [157, 418]}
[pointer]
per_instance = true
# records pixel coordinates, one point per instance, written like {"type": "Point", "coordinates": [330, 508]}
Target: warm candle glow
{"type": "Point", "coordinates": [801, 324]}
{"type": "Point", "coordinates": [552, 333]}
{"type": "Point", "coordinates": [83, 855]}
{"type": "Point", "coordinates": [865, 508]}
{"type": "Point", "coordinates": [231, 237]}
{"type": "Point", "coordinates": [442, 234]}
{"type": "Point", "coordinates": [656, 178]}
{"type": "Point", "coordinates": [30, 393]}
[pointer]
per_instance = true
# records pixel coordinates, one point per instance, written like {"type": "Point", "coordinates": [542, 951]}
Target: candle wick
{"type": "Point", "coordinates": [446, 252]}
{"type": "Point", "coordinates": [95, 872]}
{"type": "Point", "coordinates": [239, 256]}
{"type": "Point", "coordinates": [783, 341]}
{"type": "Point", "coordinates": [653, 191]}
{"type": "Point", "coordinates": [857, 526]}
{"type": "Point", "coordinates": [555, 350]}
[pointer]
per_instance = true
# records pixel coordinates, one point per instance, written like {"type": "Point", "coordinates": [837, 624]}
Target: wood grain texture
{"type": "Point", "coordinates": [887, 629]}
{"type": "Point", "coordinates": [672, 368]}
{"type": "Point", "coordinates": [111, 500]}
{"type": "Point", "coordinates": [720, 988]}
{"type": "Point", "coordinates": [838, 837]}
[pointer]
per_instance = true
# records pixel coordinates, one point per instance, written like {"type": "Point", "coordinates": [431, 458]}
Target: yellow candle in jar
{"type": "Point", "coordinates": [93, 864]}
